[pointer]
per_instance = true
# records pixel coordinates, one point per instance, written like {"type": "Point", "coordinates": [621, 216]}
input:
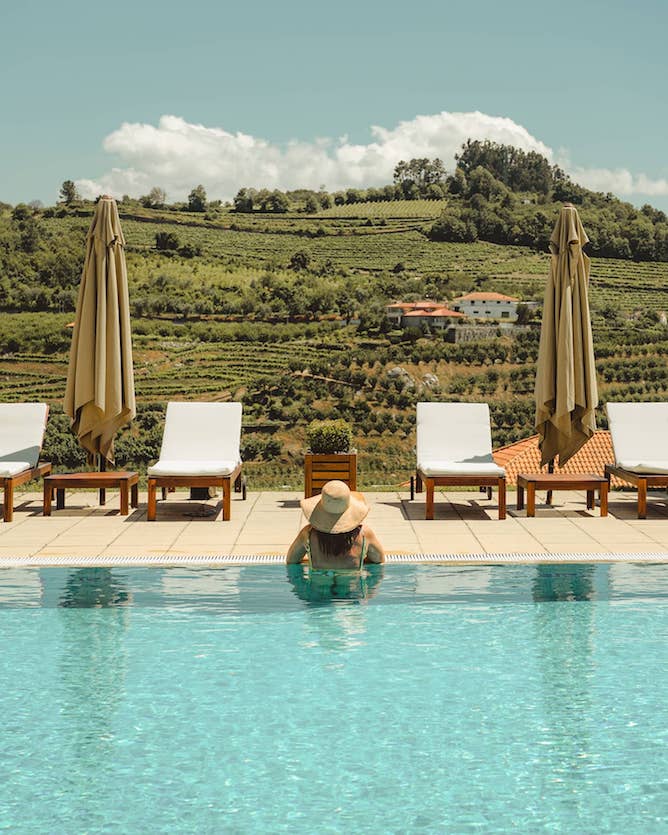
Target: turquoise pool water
{"type": "Point", "coordinates": [452, 699]}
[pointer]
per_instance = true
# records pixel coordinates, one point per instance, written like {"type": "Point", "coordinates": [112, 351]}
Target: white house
{"type": "Point", "coordinates": [487, 306]}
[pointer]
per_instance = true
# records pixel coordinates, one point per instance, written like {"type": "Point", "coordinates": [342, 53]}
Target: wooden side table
{"type": "Point", "coordinates": [320, 468]}
{"type": "Point", "coordinates": [561, 481]}
{"type": "Point", "coordinates": [127, 482]}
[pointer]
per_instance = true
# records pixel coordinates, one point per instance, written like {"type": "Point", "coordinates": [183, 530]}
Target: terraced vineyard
{"type": "Point", "coordinates": [629, 286]}
{"type": "Point", "coordinates": [418, 209]}
{"type": "Point", "coordinates": [173, 369]}
{"type": "Point", "coordinates": [356, 248]}
{"type": "Point", "coordinates": [218, 372]}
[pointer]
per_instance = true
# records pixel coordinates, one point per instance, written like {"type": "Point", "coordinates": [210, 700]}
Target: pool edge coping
{"type": "Point", "coordinates": [213, 560]}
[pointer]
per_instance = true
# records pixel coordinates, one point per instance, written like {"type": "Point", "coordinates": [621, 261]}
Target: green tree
{"type": "Point", "coordinates": [519, 170]}
{"type": "Point", "coordinates": [243, 201]}
{"type": "Point", "coordinates": [278, 202]}
{"type": "Point", "coordinates": [166, 241]}
{"type": "Point", "coordinates": [155, 199]}
{"type": "Point", "coordinates": [300, 260]}
{"type": "Point", "coordinates": [197, 199]}
{"type": "Point", "coordinates": [68, 192]}
{"type": "Point", "coordinates": [416, 175]}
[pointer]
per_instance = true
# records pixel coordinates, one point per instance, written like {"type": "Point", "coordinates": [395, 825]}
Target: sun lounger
{"type": "Point", "coordinates": [22, 428]}
{"type": "Point", "coordinates": [639, 433]}
{"type": "Point", "coordinates": [200, 448]}
{"type": "Point", "coordinates": [454, 449]}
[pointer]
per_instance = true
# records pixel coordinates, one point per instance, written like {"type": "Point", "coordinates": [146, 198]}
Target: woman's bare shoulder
{"type": "Point", "coordinates": [375, 551]}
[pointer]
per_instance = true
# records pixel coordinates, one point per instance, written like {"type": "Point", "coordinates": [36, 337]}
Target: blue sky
{"type": "Point", "coordinates": [87, 85]}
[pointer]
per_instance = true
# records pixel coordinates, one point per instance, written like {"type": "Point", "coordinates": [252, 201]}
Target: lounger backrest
{"type": "Point", "coordinates": [22, 428]}
{"type": "Point", "coordinates": [201, 432]}
{"type": "Point", "coordinates": [639, 431]}
{"type": "Point", "coordinates": [458, 432]}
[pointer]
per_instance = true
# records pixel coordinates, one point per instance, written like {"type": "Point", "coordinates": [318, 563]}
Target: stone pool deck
{"type": "Point", "coordinates": [465, 529]}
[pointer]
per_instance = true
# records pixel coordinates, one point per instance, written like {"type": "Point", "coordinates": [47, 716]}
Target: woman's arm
{"type": "Point", "coordinates": [297, 551]}
{"type": "Point", "coordinates": [375, 551]}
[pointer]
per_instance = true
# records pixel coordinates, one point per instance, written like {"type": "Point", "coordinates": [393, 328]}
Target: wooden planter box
{"type": "Point", "coordinates": [319, 469]}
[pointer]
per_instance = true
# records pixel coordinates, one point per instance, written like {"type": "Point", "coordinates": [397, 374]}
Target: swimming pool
{"type": "Point", "coordinates": [241, 699]}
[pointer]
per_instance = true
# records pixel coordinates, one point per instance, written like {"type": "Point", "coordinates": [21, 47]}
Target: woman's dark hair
{"type": "Point", "coordinates": [334, 544]}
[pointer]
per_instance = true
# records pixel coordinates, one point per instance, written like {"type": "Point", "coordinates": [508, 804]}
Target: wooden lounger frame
{"type": "Point", "coordinates": [488, 481]}
{"type": "Point", "coordinates": [169, 482]}
{"type": "Point", "coordinates": [640, 480]}
{"type": "Point", "coordinates": [10, 482]}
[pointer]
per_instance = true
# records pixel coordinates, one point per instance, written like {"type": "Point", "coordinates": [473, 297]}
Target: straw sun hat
{"type": "Point", "coordinates": [336, 509]}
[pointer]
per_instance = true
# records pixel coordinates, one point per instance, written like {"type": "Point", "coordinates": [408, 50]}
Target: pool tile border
{"type": "Point", "coordinates": [277, 559]}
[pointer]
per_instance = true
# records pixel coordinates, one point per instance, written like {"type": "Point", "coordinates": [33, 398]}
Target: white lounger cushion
{"type": "Point", "coordinates": [22, 428]}
{"type": "Point", "coordinates": [10, 468]}
{"type": "Point", "coordinates": [200, 439]}
{"type": "Point", "coordinates": [455, 439]}
{"type": "Point", "coordinates": [436, 468]}
{"type": "Point", "coordinates": [188, 468]}
{"type": "Point", "coordinates": [639, 433]}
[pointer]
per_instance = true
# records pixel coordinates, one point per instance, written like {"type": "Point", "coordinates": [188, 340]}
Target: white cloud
{"type": "Point", "coordinates": [619, 181]}
{"type": "Point", "coordinates": [177, 155]}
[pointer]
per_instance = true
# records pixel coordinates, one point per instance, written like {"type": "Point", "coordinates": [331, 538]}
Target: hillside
{"type": "Point", "coordinates": [254, 307]}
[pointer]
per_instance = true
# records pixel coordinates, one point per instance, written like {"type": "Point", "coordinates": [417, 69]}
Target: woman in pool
{"type": "Point", "coordinates": [336, 538]}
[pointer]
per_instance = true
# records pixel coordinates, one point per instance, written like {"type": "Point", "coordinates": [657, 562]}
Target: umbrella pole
{"type": "Point", "coordinates": [103, 469]}
{"type": "Point", "coordinates": [550, 469]}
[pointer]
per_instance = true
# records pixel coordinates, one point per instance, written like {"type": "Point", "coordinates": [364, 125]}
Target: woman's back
{"type": "Point", "coordinates": [322, 557]}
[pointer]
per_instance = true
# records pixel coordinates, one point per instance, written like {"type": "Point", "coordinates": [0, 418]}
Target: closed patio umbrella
{"type": "Point", "coordinates": [100, 395]}
{"type": "Point", "coordinates": [566, 391]}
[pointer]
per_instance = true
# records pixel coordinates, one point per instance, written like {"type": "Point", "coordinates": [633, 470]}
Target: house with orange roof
{"type": "Point", "coordinates": [415, 314]}
{"type": "Point", "coordinates": [437, 318]}
{"type": "Point", "coordinates": [487, 306]}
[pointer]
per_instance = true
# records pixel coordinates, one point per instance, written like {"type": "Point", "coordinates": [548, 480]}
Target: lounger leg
{"type": "Point", "coordinates": [603, 498]}
{"type": "Point", "coordinates": [227, 490]}
{"type": "Point", "coordinates": [48, 495]}
{"type": "Point", "coordinates": [150, 512]}
{"type": "Point", "coordinates": [590, 499]}
{"type": "Point", "coordinates": [163, 493]}
{"type": "Point", "coordinates": [429, 485]}
{"type": "Point", "coordinates": [502, 498]}
{"type": "Point", "coordinates": [418, 483]}
{"type": "Point", "coordinates": [520, 497]}
{"type": "Point", "coordinates": [531, 499]}
{"type": "Point", "coordinates": [134, 495]}
{"type": "Point", "coordinates": [642, 498]}
{"type": "Point", "coordinates": [8, 501]}
{"type": "Point", "coordinates": [60, 498]}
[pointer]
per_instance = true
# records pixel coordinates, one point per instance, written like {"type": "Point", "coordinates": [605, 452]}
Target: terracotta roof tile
{"type": "Point", "coordinates": [439, 311]}
{"type": "Point", "coordinates": [421, 305]}
{"type": "Point", "coordinates": [489, 297]}
{"type": "Point", "coordinates": [524, 457]}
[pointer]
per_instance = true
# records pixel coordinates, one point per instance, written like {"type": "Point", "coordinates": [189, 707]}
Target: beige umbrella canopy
{"type": "Point", "coordinates": [566, 391]}
{"type": "Point", "coordinates": [100, 394]}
